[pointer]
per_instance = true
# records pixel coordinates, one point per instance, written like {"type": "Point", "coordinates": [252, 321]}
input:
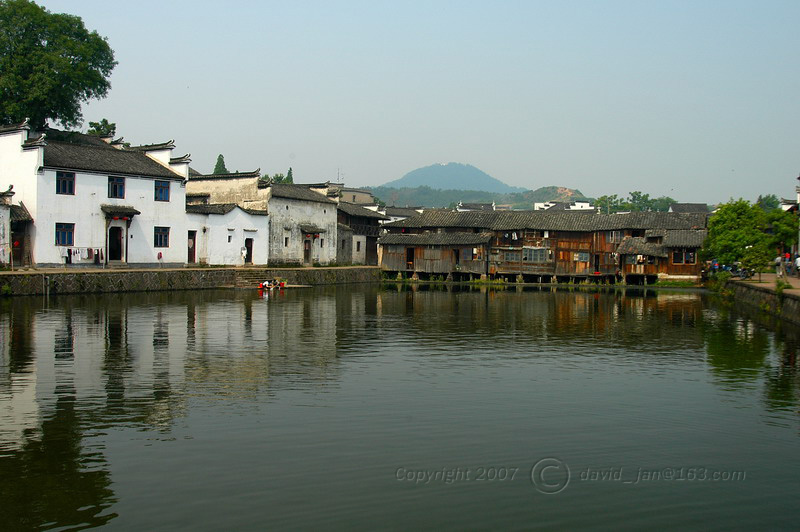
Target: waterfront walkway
{"type": "Point", "coordinates": [768, 282]}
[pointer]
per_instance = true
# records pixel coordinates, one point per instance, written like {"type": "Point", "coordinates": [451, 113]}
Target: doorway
{"type": "Point", "coordinates": [306, 251]}
{"type": "Point", "coordinates": [248, 246]}
{"type": "Point", "coordinates": [597, 263]}
{"type": "Point", "coordinates": [115, 243]}
{"type": "Point", "coordinates": [191, 258]}
{"type": "Point", "coordinates": [409, 258]}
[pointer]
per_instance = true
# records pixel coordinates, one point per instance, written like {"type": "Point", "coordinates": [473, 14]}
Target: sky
{"type": "Point", "coordinates": [696, 100]}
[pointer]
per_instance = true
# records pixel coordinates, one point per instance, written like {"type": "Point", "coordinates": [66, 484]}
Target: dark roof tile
{"type": "Point", "coordinates": [357, 210]}
{"type": "Point", "coordinates": [436, 239]}
{"type": "Point", "coordinates": [298, 192]}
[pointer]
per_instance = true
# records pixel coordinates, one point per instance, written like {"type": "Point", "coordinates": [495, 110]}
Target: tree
{"type": "Point", "coordinates": [769, 202]}
{"type": "Point", "coordinates": [639, 202]}
{"type": "Point", "coordinates": [782, 227]}
{"type": "Point", "coordinates": [758, 257]}
{"type": "Point", "coordinates": [662, 203]}
{"type": "Point", "coordinates": [736, 226]}
{"type": "Point", "coordinates": [608, 204]}
{"type": "Point", "coordinates": [49, 65]}
{"type": "Point", "coordinates": [103, 128]}
{"type": "Point", "coordinates": [289, 178]}
{"type": "Point", "coordinates": [219, 168]}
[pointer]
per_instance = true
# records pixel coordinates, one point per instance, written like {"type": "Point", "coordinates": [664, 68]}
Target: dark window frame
{"type": "Point", "coordinates": [65, 234]}
{"type": "Point", "coordinates": [116, 187]}
{"type": "Point", "coordinates": [161, 190]}
{"type": "Point", "coordinates": [65, 183]}
{"type": "Point", "coordinates": [160, 237]}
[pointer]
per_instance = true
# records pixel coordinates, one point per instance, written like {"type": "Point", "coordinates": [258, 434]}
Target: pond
{"type": "Point", "coordinates": [366, 407]}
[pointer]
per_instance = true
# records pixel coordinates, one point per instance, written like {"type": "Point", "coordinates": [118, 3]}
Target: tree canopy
{"type": "Point", "coordinates": [49, 65]}
{"type": "Point", "coordinates": [635, 202]}
{"type": "Point", "coordinates": [103, 128]}
{"type": "Point", "coordinates": [739, 230]}
{"type": "Point", "coordinates": [220, 168]}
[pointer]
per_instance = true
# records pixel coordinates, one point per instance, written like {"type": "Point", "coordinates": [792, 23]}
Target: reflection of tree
{"type": "Point", "coordinates": [53, 479]}
{"type": "Point", "coordinates": [737, 348]}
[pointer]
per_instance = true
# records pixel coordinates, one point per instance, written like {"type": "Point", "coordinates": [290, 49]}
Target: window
{"type": "Point", "coordinates": [286, 242]}
{"type": "Point", "coordinates": [535, 254]}
{"type": "Point", "coordinates": [581, 256]}
{"type": "Point", "coordinates": [162, 191]}
{"type": "Point", "coordinates": [161, 237]}
{"type": "Point", "coordinates": [511, 256]}
{"type": "Point", "coordinates": [614, 237]}
{"type": "Point", "coordinates": [322, 242]}
{"type": "Point", "coordinates": [65, 234]}
{"type": "Point", "coordinates": [684, 256]}
{"type": "Point", "coordinates": [116, 187]}
{"type": "Point", "coordinates": [230, 238]}
{"type": "Point", "coordinates": [358, 246]}
{"type": "Point", "coordinates": [65, 183]}
{"type": "Point", "coordinates": [344, 243]}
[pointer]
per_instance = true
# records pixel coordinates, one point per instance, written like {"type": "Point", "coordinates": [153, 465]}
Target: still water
{"type": "Point", "coordinates": [358, 407]}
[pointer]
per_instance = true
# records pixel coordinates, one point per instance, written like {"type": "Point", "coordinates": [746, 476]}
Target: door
{"type": "Point", "coordinates": [114, 243]}
{"type": "Point", "coordinates": [306, 251]}
{"type": "Point", "coordinates": [191, 257]}
{"type": "Point", "coordinates": [248, 246]}
{"type": "Point", "coordinates": [409, 258]}
{"type": "Point", "coordinates": [597, 263]}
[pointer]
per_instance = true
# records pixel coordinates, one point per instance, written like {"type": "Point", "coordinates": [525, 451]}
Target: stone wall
{"type": "Point", "coordinates": [94, 282]}
{"type": "Point", "coordinates": [786, 306]}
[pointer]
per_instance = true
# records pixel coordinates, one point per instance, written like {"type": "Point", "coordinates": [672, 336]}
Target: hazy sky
{"type": "Point", "coordinates": [696, 100]}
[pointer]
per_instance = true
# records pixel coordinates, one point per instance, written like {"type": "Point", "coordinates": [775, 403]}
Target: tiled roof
{"type": "Point", "coordinates": [214, 208]}
{"type": "Point", "coordinates": [356, 210]}
{"type": "Point", "coordinates": [14, 127]}
{"type": "Point", "coordinates": [689, 207]}
{"type": "Point", "coordinates": [436, 239]}
{"type": "Point", "coordinates": [234, 175]}
{"type": "Point", "coordinates": [311, 229]}
{"type": "Point", "coordinates": [401, 211]}
{"type": "Point", "coordinates": [19, 213]}
{"type": "Point", "coordinates": [298, 192]}
{"type": "Point", "coordinates": [153, 147]}
{"type": "Point", "coordinates": [343, 227]}
{"type": "Point", "coordinates": [685, 238]}
{"type": "Point", "coordinates": [103, 159]}
{"type": "Point", "coordinates": [221, 208]}
{"type": "Point", "coordinates": [119, 210]}
{"type": "Point", "coordinates": [638, 245]}
{"type": "Point", "coordinates": [553, 221]}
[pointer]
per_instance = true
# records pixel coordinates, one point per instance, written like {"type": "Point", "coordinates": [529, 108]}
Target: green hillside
{"type": "Point", "coordinates": [425, 196]}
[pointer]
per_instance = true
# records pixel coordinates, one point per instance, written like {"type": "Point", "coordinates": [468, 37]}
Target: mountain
{"type": "Point", "coordinates": [425, 196]}
{"type": "Point", "coordinates": [452, 176]}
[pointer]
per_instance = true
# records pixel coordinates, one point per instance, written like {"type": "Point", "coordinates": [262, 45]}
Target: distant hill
{"type": "Point", "coordinates": [425, 196]}
{"type": "Point", "coordinates": [452, 176]}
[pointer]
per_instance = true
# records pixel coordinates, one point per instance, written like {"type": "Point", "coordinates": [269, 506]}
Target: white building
{"type": "Point", "coordinates": [94, 201]}
{"type": "Point", "coordinates": [226, 234]}
{"type": "Point", "coordinates": [563, 206]}
{"type": "Point", "coordinates": [302, 223]}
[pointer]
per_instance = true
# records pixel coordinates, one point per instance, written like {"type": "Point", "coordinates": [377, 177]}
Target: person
{"type": "Point", "coordinates": [778, 263]}
{"type": "Point", "coordinates": [797, 265]}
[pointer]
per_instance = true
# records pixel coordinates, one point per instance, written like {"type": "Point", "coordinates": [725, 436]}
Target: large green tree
{"type": "Point", "coordinates": [735, 227]}
{"type": "Point", "coordinates": [50, 64]}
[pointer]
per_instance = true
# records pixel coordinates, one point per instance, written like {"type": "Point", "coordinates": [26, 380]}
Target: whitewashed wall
{"type": "Point", "coordinates": [83, 209]}
{"type": "Point", "coordinates": [18, 167]}
{"type": "Point", "coordinates": [286, 217]}
{"type": "Point", "coordinates": [5, 234]}
{"type": "Point", "coordinates": [213, 246]}
{"type": "Point", "coordinates": [359, 249]}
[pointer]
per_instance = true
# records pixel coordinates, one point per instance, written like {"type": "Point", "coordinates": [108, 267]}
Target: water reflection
{"type": "Point", "coordinates": [77, 366]}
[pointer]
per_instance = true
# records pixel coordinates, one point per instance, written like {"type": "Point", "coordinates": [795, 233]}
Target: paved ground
{"type": "Point", "coordinates": [39, 271]}
{"type": "Point", "coordinates": [768, 281]}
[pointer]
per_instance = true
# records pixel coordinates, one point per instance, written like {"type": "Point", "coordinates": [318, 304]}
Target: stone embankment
{"type": "Point", "coordinates": [85, 281]}
{"type": "Point", "coordinates": [784, 304]}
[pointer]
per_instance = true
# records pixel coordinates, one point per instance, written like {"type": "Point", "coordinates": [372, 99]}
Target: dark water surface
{"type": "Point", "coordinates": [360, 408]}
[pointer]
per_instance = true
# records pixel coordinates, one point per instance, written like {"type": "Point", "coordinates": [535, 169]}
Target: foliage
{"type": "Point", "coordinates": [769, 202]}
{"type": "Point", "coordinates": [50, 64]}
{"type": "Point", "coordinates": [280, 178]}
{"type": "Point", "coordinates": [103, 128]}
{"type": "Point", "coordinates": [220, 167]}
{"type": "Point", "coordinates": [635, 202]}
{"type": "Point", "coordinates": [758, 257]}
{"type": "Point", "coordinates": [782, 227]}
{"type": "Point", "coordinates": [5, 290]}
{"type": "Point", "coordinates": [736, 226]}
